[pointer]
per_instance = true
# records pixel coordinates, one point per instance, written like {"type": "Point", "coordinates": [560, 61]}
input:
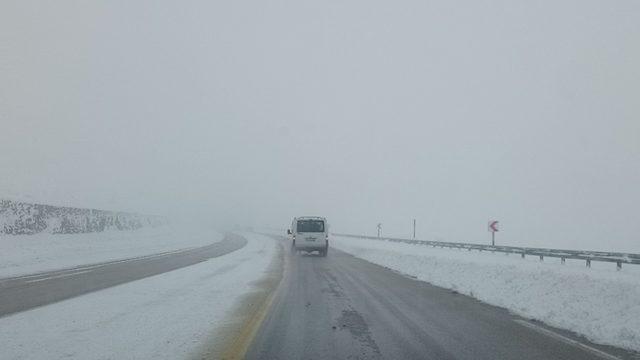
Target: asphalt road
{"type": "Point", "coordinates": [26, 292]}
{"type": "Point", "coordinates": [341, 307]}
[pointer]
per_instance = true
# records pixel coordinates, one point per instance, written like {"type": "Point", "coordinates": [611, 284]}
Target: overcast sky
{"type": "Point", "coordinates": [363, 111]}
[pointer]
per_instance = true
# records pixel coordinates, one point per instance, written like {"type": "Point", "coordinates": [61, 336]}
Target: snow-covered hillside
{"type": "Point", "coordinates": [18, 218]}
{"type": "Point", "coordinates": [599, 303]}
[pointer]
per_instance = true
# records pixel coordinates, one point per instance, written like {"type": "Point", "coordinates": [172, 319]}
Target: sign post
{"type": "Point", "coordinates": [414, 229]}
{"type": "Point", "coordinates": [493, 228]}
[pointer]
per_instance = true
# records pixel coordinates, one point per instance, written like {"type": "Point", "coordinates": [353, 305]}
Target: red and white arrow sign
{"type": "Point", "coordinates": [493, 225]}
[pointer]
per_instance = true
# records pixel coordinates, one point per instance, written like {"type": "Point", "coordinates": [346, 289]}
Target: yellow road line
{"type": "Point", "coordinates": [258, 308]}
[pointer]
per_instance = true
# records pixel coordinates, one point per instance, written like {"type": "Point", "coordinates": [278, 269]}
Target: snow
{"type": "Point", "coordinates": [168, 316]}
{"type": "Point", "coordinates": [20, 218]}
{"type": "Point", "coordinates": [600, 303]}
{"type": "Point", "coordinates": [26, 254]}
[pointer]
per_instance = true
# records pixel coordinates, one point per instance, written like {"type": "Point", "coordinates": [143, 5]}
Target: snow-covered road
{"type": "Point", "coordinates": [168, 316]}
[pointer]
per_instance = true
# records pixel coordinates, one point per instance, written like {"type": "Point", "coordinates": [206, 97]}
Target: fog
{"type": "Point", "coordinates": [252, 112]}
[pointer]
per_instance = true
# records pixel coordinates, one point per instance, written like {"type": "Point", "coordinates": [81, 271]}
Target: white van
{"type": "Point", "coordinates": [310, 233]}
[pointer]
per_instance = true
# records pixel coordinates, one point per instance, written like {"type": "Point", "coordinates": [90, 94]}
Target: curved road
{"type": "Point", "coordinates": [341, 307]}
{"type": "Point", "coordinates": [26, 292]}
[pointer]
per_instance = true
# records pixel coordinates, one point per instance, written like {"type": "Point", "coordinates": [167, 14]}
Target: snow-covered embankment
{"type": "Point", "coordinates": [20, 218]}
{"type": "Point", "coordinates": [600, 303]}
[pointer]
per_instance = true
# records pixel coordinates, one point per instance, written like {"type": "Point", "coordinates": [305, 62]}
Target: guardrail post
{"type": "Point", "coordinates": [588, 263]}
{"type": "Point", "coordinates": [618, 265]}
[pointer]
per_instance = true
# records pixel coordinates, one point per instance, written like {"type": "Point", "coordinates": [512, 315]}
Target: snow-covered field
{"type": "Point", "coordinates": [167, 316]}
{"type": "Point", "coordinates": [25, 254]}
{"type": "Point", "coordinates": [600, 303]}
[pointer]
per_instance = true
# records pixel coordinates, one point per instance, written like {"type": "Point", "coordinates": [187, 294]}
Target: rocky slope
{"type": "Point", "coordinates": [18, 218]}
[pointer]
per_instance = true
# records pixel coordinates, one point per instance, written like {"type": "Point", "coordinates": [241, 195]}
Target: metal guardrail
{"type": "Point", "coordinates": [588, 256]}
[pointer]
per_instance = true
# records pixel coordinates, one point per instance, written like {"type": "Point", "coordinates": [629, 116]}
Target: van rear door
{"type": "Point", "coordinates": [310, 231]}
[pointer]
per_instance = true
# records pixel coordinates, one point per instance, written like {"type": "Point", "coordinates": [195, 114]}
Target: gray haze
{"type": "Point", "coordinates": [251, 112]}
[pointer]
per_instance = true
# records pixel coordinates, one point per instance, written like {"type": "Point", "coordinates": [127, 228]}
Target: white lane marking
{"type": "Point", "coordinates": [51, 273]}
{"type": "Point", "coordinates": [58, 276]}
{"type": "Point", "coordinates": [48, 275]}
{"type": "Point", "coordinates": [567, 340]}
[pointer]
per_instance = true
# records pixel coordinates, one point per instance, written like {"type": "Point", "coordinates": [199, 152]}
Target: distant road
{"type": "Point", "coordinates": [341, 307]}
{"type": "Point", "coordinates": [26, 292]}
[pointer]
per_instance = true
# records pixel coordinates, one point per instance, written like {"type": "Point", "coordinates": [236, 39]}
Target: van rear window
{"type": "Point", "coordinates": [310, 226]}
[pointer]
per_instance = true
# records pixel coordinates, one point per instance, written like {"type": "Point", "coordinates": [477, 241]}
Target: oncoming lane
{"type": "Point", "coordinates": [30, 291]}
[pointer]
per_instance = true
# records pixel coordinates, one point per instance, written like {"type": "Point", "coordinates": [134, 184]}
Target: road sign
{"type": "Point", "coordinates": [493, 228]}
{"type": "Point", "coordinates": [493, 225]}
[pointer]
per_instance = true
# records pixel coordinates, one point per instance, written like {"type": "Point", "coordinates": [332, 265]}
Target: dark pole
{"type": "Point", "coordinates": [493, 238]}
{"type": "Point", "coordinates": [414, 229]}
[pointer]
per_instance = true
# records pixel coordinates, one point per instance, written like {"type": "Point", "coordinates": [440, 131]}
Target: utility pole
{"type": "Point", "coordinates": [379, 228]}
{"type": "Point", "coordinates": [414, 229]}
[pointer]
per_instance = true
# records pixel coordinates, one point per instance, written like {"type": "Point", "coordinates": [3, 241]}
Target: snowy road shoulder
{"type": "Point", "coordinates": [168, 316]}
{"type": "Point", "coordinates": [599, 303]}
